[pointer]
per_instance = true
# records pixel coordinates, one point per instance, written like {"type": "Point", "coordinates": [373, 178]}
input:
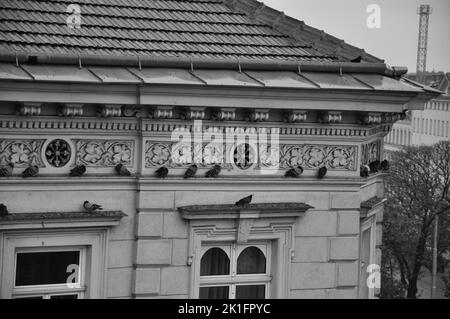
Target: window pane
{"type": "Point", "coordinates": [64, 297]}
{"type": "Point", "coordinates": [251, 261]}
{"type": "Point", "coordinates": [45, 268]}
{"type": "Point", "coordinates": [251, 292]}
{"type": "Point", "coordinates": [215, 262]}
{"type": "Point", "coordinates": [214, 292]}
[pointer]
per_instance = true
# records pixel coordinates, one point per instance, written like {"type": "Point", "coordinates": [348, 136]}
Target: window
{"type": "Point", "coordinates": [233, 271]}
{"type": "Point", "coordinates": [49, 273]}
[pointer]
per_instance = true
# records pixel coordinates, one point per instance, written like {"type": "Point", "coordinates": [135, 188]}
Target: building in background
{"type": "Point", "coordinates": [114, 90]}
{"type": "Point", "coordinates": [427, 126]}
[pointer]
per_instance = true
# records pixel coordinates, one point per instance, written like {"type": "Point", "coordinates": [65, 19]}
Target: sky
{"type": "Point", "coordinates": [396, 39]}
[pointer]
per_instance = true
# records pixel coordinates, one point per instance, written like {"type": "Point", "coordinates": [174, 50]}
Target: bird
{"type": "Point", "coordinates": [374, 166]}
{"type": "Point", "coordinates": [322, 172]}
{"type": "Point", "coordinates": [31, 171]}
{"type": "Point", "coordinates": [384, 165]}
{"type": "Point", "coordinates": [6, 170]}
{"type": "Point", "coordinates": [191, 171]}
{"type": "Point", "coordinates": [162, 172]}
{"type": "Point", "coordinates": [294, 172]}
{"type": "Point", "coordinates": [121, 170]}
{"type": "Point", "coordinates": [357, 59]}
{"type": "Point", "coordinates": [364, 171]}
{"type": "Point", "coordinates": [3, 210]}
{"type": "Point", "coordinates": [91, 208]}
{"type": "Point", "coordinates": [78, 170]}
{"type": "Point", "coordinates": [244, 201]}
{"type": "Point", "coordinates": [214, 172]}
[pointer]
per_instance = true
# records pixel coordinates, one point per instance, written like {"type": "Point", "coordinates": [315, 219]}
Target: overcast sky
{"type": "Point", "coordinates": [396, 39]}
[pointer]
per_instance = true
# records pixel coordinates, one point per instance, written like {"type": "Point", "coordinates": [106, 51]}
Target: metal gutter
{"type": "Point", "coordinates": [199, 63]}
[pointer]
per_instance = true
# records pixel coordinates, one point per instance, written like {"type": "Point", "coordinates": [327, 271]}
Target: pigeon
{"type": "Point", "coordinates": [191, 171]}
{"type": "Point", "coordinates": [357, 59]}
{"type": "Point", "coordinates": [322, 172]}
{"type": "Point", "coordinates": [3, 210]}
{"type": "Point", "coordinates": [162, 172]}
{"type": "Point", "coordinates": [374, 166]}
{"type": "Point", "coordinates": [384, 165]}
{"type": "Point", "coordinates": [364, 171]}
{"type": "Point", "coordinates": [244, 201]}
{"type": "Point", "coordinates": [214, 172]}
{"type": "Point", "coordinates": [31, 171]}
{"type": "Point", "coordinates": [121, 170]}
{"type": "Point", "coordinates": [78, 170]}
{"type": "Point", "coordinates": [6, 170]}
{"type": "Point", "coordinates": [91, 208]}
{"type": "Point", "coordinates": [294, 172]}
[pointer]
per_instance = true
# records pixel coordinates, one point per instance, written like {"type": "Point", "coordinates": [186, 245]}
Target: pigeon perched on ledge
{"type": "Point", "coordinates": [121, 170]}
{"type": "Point", "coordinates": [191, 171]}
{"type": "Point", "coordinates": [162, 172]}
{"type": "Point", "coordinates": [6, 170]}
{"type": "Point", "coordinates": [364, 171]}
{"type": "Point", "coordinates": [374, 166]}
{"type": "Point", "coordinates": [78, 170]}
{"type": "Point", "coordinates": [214, 172]}
{"type": "Point", "coordinates": [294, 172]}
{"type": "Point", "coordinates": [31, 171]}
{"type": "Point", "coordinates": [91, 208]}
{"type": "Point", "coordinates": [244, 201]}
{"type": "Point", "coordinates": [3, 210]}
{"type": "Point", "coordinates": [384, 165]}
{"type": "Point", "coordinates": [322, 172]}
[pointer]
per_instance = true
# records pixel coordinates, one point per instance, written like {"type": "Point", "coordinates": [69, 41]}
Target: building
{"type": "Point", "coordinates": [111, 84]}
{"type": "Point", "coordinates": [427, 126]}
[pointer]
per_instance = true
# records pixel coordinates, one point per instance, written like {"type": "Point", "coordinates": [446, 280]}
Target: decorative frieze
{"type": "Point", "coordinates": [132, 111]}
{"type": "Point", "coordinates": [29, 109]}
{"type": "Point", "coordinates": [224, 114]}
{"type": "Point", "coordinates": [161, 112]}
{"type": "Point", "coordinates": [330, 117]}
{"type": "Point", "coordinates": [109, 110]}
{"type": "Point", "coordinates": [257, 115]}
{"type": "Point", "coordinates": [70, 109]}
{"type": "Point", "coordinates": [335, 157]}
{"type": "Point", "coordinates": [104, 152]}
{"type": "Point", "coordinates": [193, 113]}
{"type": "Point", "coordinates": [295, 116]}
{"type": "Point", "coordinates": [371, 152]}
{"type": "Point", "coordinates": [22, 153]}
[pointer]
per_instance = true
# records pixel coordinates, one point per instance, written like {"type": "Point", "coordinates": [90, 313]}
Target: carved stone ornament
{"type": "Point", "coordinates": [162, 112]}
{"type": "Point", "coordinates": [58, 153]}
{"type": "Point", "coordinates": [193, 113]}
{"type": "Point", "coordinates": [70, 110]}
{"type": "Point", "coordinates": [257, 115]}
{"type": "Point", "coordinates": [22, 153]}
{"type": "Point", "coordinates": [29, 109]}
{"type": "Point", "coordinates": [104, 152]}
{"type": "Point", "coordinates": [132, 111]}
{"type": "Point", "coordinates": [109, 110]}
{"type": "Point", "coordinates": [371, 152]}
{"type": "Point", "coordinates": [224, 114]}
{"type": "Point", "coordinates": [370, 118]}
{"type": "Point", "coordinates": [295, 116]}
{"type": "Point", "coordinates": [330, 117]}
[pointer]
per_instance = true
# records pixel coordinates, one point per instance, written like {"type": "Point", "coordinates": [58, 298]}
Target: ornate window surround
{"type": "Point", "coordinates": [271, 222]}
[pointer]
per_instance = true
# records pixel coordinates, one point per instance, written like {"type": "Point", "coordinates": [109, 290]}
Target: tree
{"type": "Point", "coordinates": [417, 189]}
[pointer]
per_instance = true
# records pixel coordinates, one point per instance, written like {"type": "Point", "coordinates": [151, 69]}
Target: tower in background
{"type": "Point", "coordinates": [424, 12]}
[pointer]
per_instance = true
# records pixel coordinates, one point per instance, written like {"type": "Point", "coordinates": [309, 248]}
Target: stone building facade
{"type": "Point", "coordinates": [305, 104]}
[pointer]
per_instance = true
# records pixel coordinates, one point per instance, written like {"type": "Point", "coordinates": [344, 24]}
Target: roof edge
{"type": "Point", "coordinates": [198, 63]}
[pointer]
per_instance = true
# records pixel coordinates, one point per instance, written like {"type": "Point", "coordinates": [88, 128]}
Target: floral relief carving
{"type": "Point", "coordinates": [22, 153]}
{"type": "Point", "coordinates": [104, 152]}
{"type": "Point", "coordinates": [314, 156]}
{"type": "Point", "coordinates": [157, 154]}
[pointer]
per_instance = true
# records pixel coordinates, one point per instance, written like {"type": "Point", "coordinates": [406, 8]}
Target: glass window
{"type": "Point", "coordinates": [251, 261]}
{"type": "Point", "coordinates": [215, 262]}
{"type": "Point", "coordinates": [45, 268]}
{"type": "Point", "coordinates": [214, 292]}
{"type": "Point", "coordinates": [250, 292]}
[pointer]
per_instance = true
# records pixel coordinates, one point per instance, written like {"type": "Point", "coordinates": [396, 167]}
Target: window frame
{"type": "Point", "coordinates": [93, 241]}
{"type": "Point", "coordinates": [233, 251]}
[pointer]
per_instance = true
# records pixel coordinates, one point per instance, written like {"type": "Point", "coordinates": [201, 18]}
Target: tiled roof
{"type": "Point", "coordinates": [168, 28]}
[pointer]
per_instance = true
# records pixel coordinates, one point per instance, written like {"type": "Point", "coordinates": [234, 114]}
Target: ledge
{"type": "Point", "coordinates": [231, 211]}
{"type": "Point", "coordinates": [370, 204]}
{"type": "Point", "coordinates": [60, 220]}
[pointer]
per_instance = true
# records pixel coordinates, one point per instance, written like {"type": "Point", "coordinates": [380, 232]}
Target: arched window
{"type": "Point", "coordinates": [251, 261]}
{"type": "Point", "coordinates": [215, 262]}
